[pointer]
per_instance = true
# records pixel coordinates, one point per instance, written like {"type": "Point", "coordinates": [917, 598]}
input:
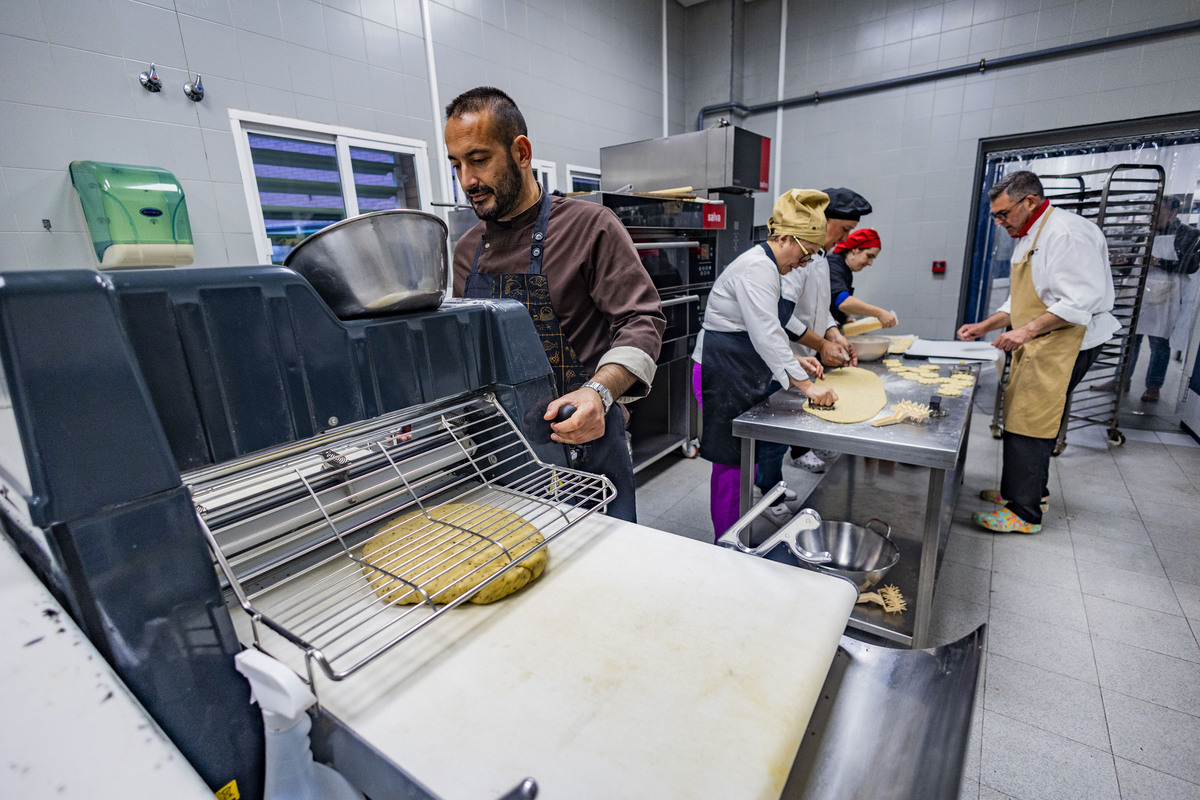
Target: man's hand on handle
{"type": "Point", "coordinates": [585, 425]}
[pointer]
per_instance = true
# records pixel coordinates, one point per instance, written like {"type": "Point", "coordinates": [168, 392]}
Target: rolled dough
{"type": "Point", "coordinates": [860, 395]}
{"type": "Point", "coordinates": [451, 554]}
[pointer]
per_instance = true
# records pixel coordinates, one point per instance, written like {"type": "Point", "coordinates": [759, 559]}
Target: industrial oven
{"type": "Point", "coordinates": [677, 241]}
{"type": "Point", "coordinates": [195, 460]}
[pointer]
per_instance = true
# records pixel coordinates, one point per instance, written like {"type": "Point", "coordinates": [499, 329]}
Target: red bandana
{"type": "Point", "coordinates": [1032, 219]}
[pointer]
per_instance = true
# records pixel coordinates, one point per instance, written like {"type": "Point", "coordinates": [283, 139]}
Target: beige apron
{"type": "Point", "coordinates": [1041, 369]}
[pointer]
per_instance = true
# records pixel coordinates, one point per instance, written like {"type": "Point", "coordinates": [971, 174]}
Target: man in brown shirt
{"type": "Point", "coordinates": [573, 265]}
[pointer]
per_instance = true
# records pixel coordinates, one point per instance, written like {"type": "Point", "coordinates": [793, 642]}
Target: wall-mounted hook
{"type": "Point", "coordinates": [194, 90]}
{"type": "Point", "coordinates": [150, 81]}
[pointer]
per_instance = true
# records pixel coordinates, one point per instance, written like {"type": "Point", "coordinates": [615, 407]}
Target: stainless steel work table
{"type": "Point", "coordinates": [856, 491]}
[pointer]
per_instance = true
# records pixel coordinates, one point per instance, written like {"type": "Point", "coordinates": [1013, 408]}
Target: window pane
{"type": "Point", "coordinates": [384, 180]}
{"type": "Point", "coordinates": [584, 183]}
{"type": "Point", "coordinates": [298, 187]}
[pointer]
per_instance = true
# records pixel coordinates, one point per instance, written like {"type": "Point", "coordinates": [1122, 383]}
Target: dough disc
{"type": "Point", "coordinates": [450, 560]}
{"type": "Point", "coordinates": [860, 395]}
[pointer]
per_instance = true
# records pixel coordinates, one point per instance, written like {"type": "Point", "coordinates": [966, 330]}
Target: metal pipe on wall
{"type": "Point", "coordinates": [950, 72]}
{"type": "Point", "coordinates": [776, 170]}
{"type": "Point", "coordinates": [435, 100]}
{"type": "Point", "coordinates": [666, 130]}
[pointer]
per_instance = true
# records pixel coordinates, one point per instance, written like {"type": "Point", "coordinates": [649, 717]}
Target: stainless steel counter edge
{"type": "Point", "coordinates": [933, 443]}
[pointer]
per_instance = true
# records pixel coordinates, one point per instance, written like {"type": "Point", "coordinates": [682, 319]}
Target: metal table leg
{"type": "Point", "coordinates": [747, 476]}
{"type": "Point", "coordinates": [935, 511]}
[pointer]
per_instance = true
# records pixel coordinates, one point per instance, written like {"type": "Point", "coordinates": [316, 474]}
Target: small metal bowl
{"type": "Point", "coordinates": [870, 348]}
{"type": "Point", "coordinates": [383, 262]}
{"type": "Point", "coordinates": [860, 553]}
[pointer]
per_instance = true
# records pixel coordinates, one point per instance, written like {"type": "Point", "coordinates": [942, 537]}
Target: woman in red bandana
{"type": "Point", "coordinates": [854, 255]}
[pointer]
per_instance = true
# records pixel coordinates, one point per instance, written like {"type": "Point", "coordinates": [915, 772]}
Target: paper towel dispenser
{"type": "Point", "coordinates": [136, 216]}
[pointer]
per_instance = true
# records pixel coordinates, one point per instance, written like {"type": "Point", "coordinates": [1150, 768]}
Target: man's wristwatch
{"type": "Point", "coordinates": [602, 390]}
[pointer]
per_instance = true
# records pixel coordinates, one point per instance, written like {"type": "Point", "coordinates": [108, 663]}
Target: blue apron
{"type": "Point", "coordinates": [608, 455]}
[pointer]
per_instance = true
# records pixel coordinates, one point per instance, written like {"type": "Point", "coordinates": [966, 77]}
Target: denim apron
{"type": "Point", "coordinates": [608, 455]}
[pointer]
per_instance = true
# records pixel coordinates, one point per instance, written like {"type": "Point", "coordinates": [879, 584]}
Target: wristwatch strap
{"type": "Point", "coordinates": [602, 390]}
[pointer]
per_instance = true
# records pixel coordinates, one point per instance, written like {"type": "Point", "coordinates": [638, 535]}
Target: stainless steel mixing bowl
{"type": "Point", "coordinates": [870, 348]}
{"type": "Point", "coordinates": [383, 262]}
{"type": "Point", "coordinates": [860, 553]}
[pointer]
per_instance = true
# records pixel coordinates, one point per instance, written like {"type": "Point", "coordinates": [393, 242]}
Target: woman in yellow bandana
{"type": "Point", "coordinates": [1059, 309]}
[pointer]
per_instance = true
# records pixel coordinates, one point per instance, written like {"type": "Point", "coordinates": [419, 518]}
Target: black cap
{"type": "Point", "coordinates": [846, 204]}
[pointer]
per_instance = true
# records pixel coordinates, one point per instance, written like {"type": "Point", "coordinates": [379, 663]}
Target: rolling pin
{"type": "Point", "coordinates": [860, 326]}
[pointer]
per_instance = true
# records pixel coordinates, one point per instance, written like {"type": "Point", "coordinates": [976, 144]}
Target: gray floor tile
{"type": "Point", "coordinates": [1180, 440]}
{"type": "Point", "coordinates": [1176, 538]}
{"type": "Point", "coordinates": [968, 789]}
{"type": "Point", "coordinates": [1046, 700]}
{"type": "Point", "coordinates": [1150, 630]}
{"type": "Point", "coordinates": [1108, 501]}
{"type": "Point", "coordinates": [1183, 567]}
{"type": "Point", "coordinates": [1029, 763]}
{"type": "Point", "coordinates": [963, 581]}
{"type": "Point", "coordinates": [1172, 515]}
{"type": "Point", "coordinates": [1039, 600]}
{"type": "Point", "coordinates": [1099, 466]}
{"type": "Point", "coordinates": [1035, 561]}
{"type": "Point", "coordinates": [1124, 586]}
{"type": "Point", "coordinates": [1142, 783]}
{"type": "Point", "coordinates": [692, 511]}
{"type": "Point", "coordinates": [1146, 675]}
{"type": "Point", "coordinates": [1108, 526]}
{"type": "Point", "coordinates": [1153, 736]}
{"type": "Point", "coordinates": [988, 793]}
{"type": "Point", "coordinates": [1176, 490]}
{"type": "Point", "coordinates": [1138, 558]}
{"type": "Point", "coordinates": [1052, 647]}
{"type": "Point", "coordinates": [952, 618]}
{"type": "Point", "coordinates": [1134, 435]}
{"type": "Point", "coordinates": [970, 548]}
{"type": "Point", "coordinates": [1188, 595]}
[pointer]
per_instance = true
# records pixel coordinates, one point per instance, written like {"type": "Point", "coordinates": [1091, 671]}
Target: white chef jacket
{"type": "Point", "coordinates": [1071, 274]}
{"type": "Point", "coordinates": [745, 297]}
{"type": "Point", "coordinates": [809, 288]}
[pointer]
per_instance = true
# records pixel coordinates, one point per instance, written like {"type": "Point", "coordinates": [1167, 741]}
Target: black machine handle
{"type": "Point", "coordinates": [564, 412]}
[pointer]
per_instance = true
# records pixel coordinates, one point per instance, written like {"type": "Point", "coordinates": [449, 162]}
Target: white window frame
{"type": "Point", "coordinates": [243, 123]}
{"type": "Point", "coordinates": [583, 172]}
{"type": "Point", "coordinates": [546, 173]}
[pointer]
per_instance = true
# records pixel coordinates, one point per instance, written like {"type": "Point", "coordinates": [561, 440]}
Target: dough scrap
{"type": "Point", "coordinates": [950, 391]}
{"type": "Point", "coordinates": [450, 560]}
{"type": "Point", "coordinates": [860, 395]}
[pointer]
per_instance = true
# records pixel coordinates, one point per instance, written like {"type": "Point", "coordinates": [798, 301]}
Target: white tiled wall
{"type": "Point", "coordinates": [912, 151]}
{"type": "Point", "coordinates": [587, 74]}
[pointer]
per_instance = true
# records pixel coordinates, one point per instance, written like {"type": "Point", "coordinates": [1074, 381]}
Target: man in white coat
{"type": "Point", "coordinates": [1060, 313]}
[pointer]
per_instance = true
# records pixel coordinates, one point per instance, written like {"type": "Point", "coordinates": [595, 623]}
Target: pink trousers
{"type": "Point", "coordinates": [724, 486]}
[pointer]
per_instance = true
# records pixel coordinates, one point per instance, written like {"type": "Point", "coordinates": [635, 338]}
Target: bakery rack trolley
{"type": "Point", "coordinates": [1123, 201]}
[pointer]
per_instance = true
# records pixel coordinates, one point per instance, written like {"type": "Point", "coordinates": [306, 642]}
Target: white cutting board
{"type": "Point", "coordinates": [938, 348]}
{"type": "Point", "coordinates": [641, 665]}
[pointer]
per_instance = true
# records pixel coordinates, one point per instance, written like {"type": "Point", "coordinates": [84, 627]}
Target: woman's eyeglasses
{"type": "Point", "coordinates": [808, 256]}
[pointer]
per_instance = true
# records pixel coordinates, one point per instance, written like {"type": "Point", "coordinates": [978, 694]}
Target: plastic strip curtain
{"type": "Point", "coordinates": [1178, 153]}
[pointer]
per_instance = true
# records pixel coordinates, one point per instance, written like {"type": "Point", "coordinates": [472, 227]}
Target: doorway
{"type": "Point", "coordinates": [1169, 322]}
